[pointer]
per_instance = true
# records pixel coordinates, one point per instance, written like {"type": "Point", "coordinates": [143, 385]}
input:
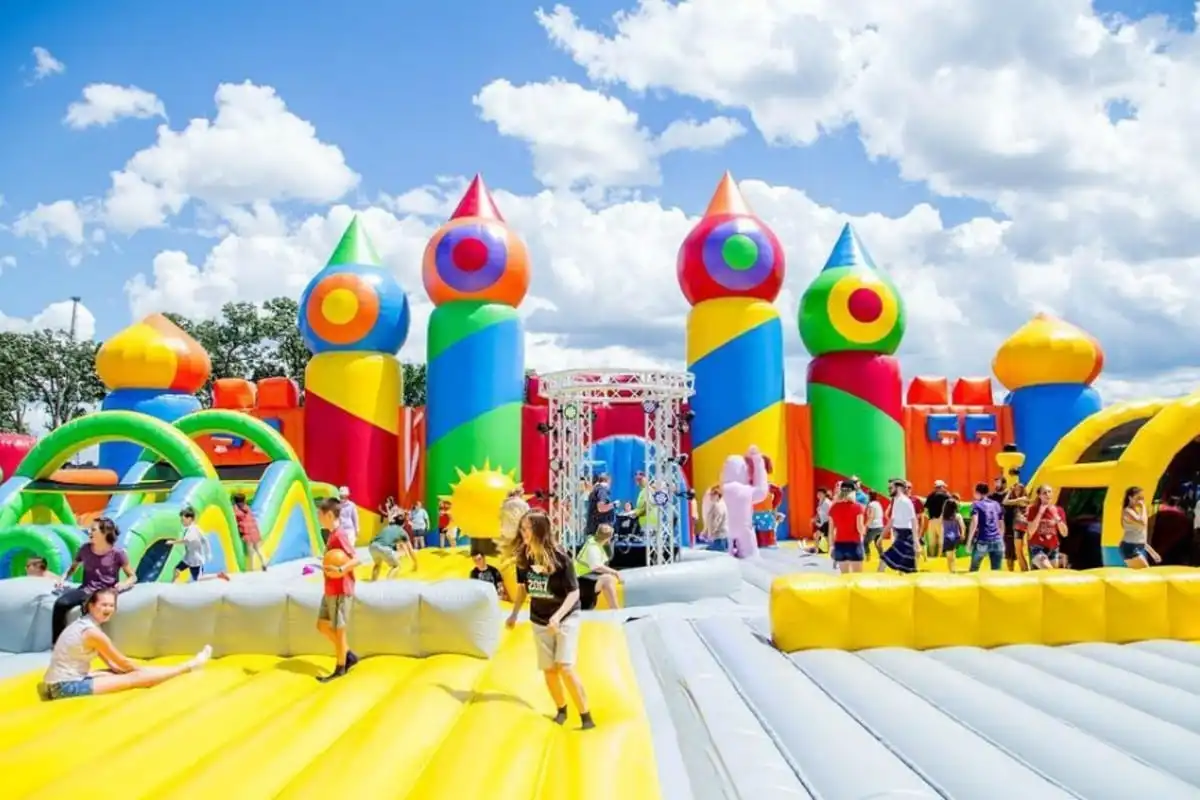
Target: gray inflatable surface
{"type": "Point", "coordinates": [399, 618]}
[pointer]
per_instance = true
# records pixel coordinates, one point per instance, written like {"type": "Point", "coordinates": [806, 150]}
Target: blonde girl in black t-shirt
{"type": "Point", "coordinates": [546, 575]}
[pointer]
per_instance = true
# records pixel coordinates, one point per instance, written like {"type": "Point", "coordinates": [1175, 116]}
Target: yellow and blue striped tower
{"type": "Point", "coordinates": [731, 268]}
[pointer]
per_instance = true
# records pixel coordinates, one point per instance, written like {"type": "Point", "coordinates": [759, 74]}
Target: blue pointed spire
{"type": "Point", "coordinates": [849, 252]}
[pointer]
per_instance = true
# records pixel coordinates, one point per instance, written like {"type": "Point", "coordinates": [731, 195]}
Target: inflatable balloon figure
{"type": "Point", "coordinates": [744, 484]}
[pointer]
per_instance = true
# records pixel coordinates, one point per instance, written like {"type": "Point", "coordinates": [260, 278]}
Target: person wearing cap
{"type": "Point", "coordinates": [847, 525]}
{"type": "Point", "coordinates": [347, 514]}
{"type": "Point", "coordinates": [600, 508]}
{"type": "Point", "coordinates": [935, 505]}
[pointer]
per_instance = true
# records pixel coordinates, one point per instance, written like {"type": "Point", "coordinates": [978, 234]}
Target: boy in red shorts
{"type": "Point", "coordinates": [334, 614]}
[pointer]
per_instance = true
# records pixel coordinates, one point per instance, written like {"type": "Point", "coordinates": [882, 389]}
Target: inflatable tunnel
{"type": "Point", "coordinates": [1151, 444]}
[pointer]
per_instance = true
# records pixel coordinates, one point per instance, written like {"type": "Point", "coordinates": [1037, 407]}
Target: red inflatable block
{"type": "Point", "coordinates": [236, 394]}
{"type": "Point", "coordinates": [972, 392]}
{"type": "Point", "coordinates": [928, 391]}
{"type": "Point", "coordinates": [278, 393]}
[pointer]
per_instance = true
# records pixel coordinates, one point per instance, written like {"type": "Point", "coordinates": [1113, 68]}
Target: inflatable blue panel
{"type": "Point", "coordinates": [1042, 415]}
{"type": "Point", "coordinates": [622, 457]}
{"type": "Point", "coordinates": [167, 406]}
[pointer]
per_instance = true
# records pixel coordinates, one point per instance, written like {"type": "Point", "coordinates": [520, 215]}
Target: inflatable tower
{"type": "Point", "coordinates": [1048, 366]}
{"type": "Point", "coordinates": [152, 367]}
{"type": "Point", "coordinates": [476, 272]}
{"type": "Point", "coordinates": [354, 318]}
{"type": "Point", "coordinates": [730, 269]}
{"type": "Point", "coordinates": [852, 321]}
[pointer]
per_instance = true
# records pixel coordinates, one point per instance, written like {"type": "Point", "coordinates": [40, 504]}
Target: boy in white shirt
{"type": "Point", "coordinates": [197, 550]}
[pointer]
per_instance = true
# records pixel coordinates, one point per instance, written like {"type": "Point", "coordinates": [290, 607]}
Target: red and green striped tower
{"type": "Point", "coordinates": [852, 321]}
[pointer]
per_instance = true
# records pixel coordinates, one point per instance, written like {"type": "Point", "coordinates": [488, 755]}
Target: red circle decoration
{"type": "Point", "coordinates": [865, 305]}
{"type": "Point", "coordinates": [470, 255]}
{"type": "Point", "coordinates": [695, 278]}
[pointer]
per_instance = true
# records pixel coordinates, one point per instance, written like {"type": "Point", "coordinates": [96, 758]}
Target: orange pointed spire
{"type": "Point", "coordinates": [727, 199]}
{"type": "Point", "coordinates": [477, 202]}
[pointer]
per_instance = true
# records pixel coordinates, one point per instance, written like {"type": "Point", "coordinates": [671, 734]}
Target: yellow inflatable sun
{"type": "Point", "coordinates": [475, 501]}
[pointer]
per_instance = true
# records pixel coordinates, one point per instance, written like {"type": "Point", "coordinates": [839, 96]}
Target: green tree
{"type": "Point", "coordinates": [414, 384]}
{"type": "Point", "coordinates": [61, 375]}
{"type": "Point", "coordinates": [285, 354]}
{"type": "Point", "coordinates": [15, 396]}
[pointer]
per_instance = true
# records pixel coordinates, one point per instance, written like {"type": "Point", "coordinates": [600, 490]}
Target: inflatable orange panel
{"type": "Point", "coordinates": [278, 393]}
{"type": "Point", "coordinates": [89, 503]}
{"type": "Point", "coordinates": [972, 392]}
{"type": "Point", "coordinates": [917, 450]}
{"type": "Point", "coordinates": [233, 393]}
{"type": "Point", "coordinates": [802, 502]}
{"type": "Point", "coordinates": [928, 391]}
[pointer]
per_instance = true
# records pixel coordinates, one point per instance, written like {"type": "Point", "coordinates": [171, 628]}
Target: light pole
{"type": "Point", "coordinates": [75, 301]}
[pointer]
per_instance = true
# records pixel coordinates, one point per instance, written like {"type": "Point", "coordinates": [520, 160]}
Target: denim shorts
{"type": "Point", "coordinates": [847, 551]}
{"type": "Point", "coordinates": [65, 689]}
{"type": "Point", "coordinates": [1131, 551]}
{"type": "Point", "coordinates": [1049, 552]}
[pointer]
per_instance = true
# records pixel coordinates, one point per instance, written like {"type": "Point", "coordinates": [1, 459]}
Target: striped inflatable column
{"type": "Point", "coordinates": [476, 271]}
{"type": "Point", "coordinates": [730, 269]}
{"type": "Point", "coordinates": [354, 318]}
{"type": "Point", "coordinates": [852, 321]}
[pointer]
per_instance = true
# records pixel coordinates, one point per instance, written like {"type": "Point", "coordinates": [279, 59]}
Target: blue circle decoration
{"type": "Point", "coordinates": [468, 281]}
{"type": "Point", "coordinates": [738, 280]}
{"type": "Point", "coordinates": [661, 498]}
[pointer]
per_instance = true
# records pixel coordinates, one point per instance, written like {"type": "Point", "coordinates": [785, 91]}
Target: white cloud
{"type": "Point", "coordinates": [105, 103]}
{"type": "Point", "coordinates": [584, 139]}
{"type": "Point", "coordinates": [45, 64]}
{"type": "Point", "coordinates": [253, 150]}
{"type": "Point", "coordinates": [62, 219]}
{"type": "Point", "coordinates": [56, 316]}
{"type": "Point", "coordinates": [1009, 103]}
{"type": "Point", "coordinates": [7, 262]}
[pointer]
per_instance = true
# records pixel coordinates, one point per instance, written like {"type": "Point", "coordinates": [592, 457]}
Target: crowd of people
{"type": "Point", "coordinates": [1001, 524]}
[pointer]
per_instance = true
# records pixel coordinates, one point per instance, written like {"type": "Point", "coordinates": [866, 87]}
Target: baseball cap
{"type": "Point", "coordinates": [343, 491]}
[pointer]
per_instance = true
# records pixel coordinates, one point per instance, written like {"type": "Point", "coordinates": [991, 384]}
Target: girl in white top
{"type": "Point", "coordinates": [1136, 551]}
{"type": "Point", "coordinates": [716, 519]}
{"type": "Point", "coordinates": [70, 672]}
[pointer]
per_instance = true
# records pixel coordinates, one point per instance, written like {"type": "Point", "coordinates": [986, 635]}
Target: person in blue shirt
{"type": "Point", "coordinates": [986, 537]}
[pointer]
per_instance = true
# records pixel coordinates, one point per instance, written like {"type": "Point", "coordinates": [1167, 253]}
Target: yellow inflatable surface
{"type": "Point", "coordinates": [856, 612]}
{"type": "Point", "coordinates": [256, 727]}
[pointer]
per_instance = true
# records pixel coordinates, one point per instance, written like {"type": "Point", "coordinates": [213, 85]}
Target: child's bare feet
{"type": "Point", "coordinates": [201, 658]}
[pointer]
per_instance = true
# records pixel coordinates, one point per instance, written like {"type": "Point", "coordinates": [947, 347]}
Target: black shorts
{"type": "Point", "coordinates": [196, 571]}
{"type": "Point", "coordinates": [823, 529]}
{"type": "Point", "coordinates": [587, 591]}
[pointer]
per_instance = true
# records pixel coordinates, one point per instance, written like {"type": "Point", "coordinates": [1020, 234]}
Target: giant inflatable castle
{"type": "Point", "coordinates": [483, 429]}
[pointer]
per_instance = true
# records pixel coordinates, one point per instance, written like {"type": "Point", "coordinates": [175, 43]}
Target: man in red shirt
{"type": "Point", "coordinates": [334, 614]}
{"type": "Point", "coordinates": [847, 524]}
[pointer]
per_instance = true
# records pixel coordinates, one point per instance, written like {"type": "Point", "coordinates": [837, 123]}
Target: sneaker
{"type": "Point", "coordinates": [201, 658]}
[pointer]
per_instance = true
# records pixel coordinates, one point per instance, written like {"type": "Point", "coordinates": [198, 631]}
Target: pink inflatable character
{"type": "Point", "coordinates": [744, 483]}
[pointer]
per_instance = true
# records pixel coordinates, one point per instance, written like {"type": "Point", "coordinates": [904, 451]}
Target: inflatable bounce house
{"type": "Point", "coordinates": [484, 427]}
{"type": "Point", "coordinates": [891, 667]}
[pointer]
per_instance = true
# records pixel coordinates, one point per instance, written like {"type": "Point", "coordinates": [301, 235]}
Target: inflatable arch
{"type": "Point", "coordinates": [1124, 445]}
{"type": "Point", "coordinates": [163, 439]}
{"type": "Point", "coordinates": [218, 421]}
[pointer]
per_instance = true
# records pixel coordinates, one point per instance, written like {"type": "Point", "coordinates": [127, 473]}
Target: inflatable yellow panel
{"type": "Point", "coordinates": [1072, 608]}
{"type": "Point", "coordinates": [881, 611]}
{"type": "Point", "coordinates": [1136, 606]}
{"type": "Point", "coordinates": [810, 612]}
{"type": "Point", "coordinates": [945, 611]}
{"type": "Point", "coordinates": [855, 612]}
{"type": "Point", "coordinates": [1010, 609]}
{"type": "Point", "coordinates": [1183, 604]}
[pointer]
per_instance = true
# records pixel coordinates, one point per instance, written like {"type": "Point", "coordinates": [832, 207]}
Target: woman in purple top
{"type": "Point", "coordinates": [986, 538]}
{"type": "Point", "coordinates": [102, 562]}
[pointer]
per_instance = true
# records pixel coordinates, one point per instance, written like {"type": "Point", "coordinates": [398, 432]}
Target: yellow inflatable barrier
{"type": "Point", "coordinates": [857, 612]}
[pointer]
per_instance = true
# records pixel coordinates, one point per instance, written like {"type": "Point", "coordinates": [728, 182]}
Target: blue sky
{"type": "Point", "coordinates": [391, 88]}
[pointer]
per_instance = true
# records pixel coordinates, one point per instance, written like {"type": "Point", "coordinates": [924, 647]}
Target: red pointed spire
{"type": "Point", "coordinates": [477, 202]}
{"type": "Point", "coordinates": [728, 199]}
